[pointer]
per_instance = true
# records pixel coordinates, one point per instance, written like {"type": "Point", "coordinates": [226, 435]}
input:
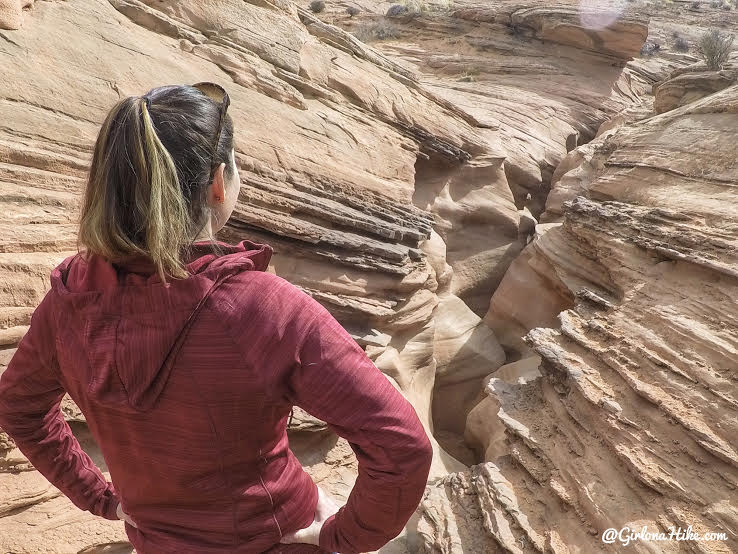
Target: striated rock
{"type": "Point", "coordinates": [310, 104]}
{"type": "Point", "coordinates": [333, 200]}
{"type": "Point", "coordinates": [604, 30]}
{"type": "Point", "coordinates": [577, 168]}
{"type": "Point", "coordinates": [486, 424]}
{"type": "Point", "coordinates": [571, 177]}
{"type": "Point", "coordinates": [688, 87]}
{"type": "Point", "coordinates": [532, 276]}
{"type": "Point", "coordinates": [475, 511]}
{"type": "Point", "coordinates": [629, 115]}
{"type": "Point", "coordinates": [631, 422]}
{"type": "Point", "coordinates": [516, 87]}
{"type": "Point", "coordinates": [466, 351]}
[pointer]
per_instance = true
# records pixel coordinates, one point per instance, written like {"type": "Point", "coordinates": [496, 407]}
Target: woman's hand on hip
{"type": "Point", "coordinates": [310, 535]}
{"type": "Point", "coordinates": [124, 516]}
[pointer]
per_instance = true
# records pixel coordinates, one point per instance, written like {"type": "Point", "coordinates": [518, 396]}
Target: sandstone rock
{"type": "Point", "coordinates": [527, 224]}
{"type": "Point", "coordinates": [12, 13]}
{"type": "Point", "coordinates": [335, 202]}
{"type": "Point", "coordinates": [532, 292]}
{"type": "Point", "coordinates": [629, 115]}
{"type": "Point", "coordinates": [466, 351]}
{"type": "Point", "coordinates": [59, 528]}
{"type": "Point", "coordinates": [475, 511]}
{"type": "Point", "coordinates": [467, 203]}
{"type": "Point", "coordinates": [571, 178]}
{"type": "Point", "coordinates": [485, 425]}
{"type": "Point", "coordinates": [517, 90]}
{"type": "Point", "coordinates": [604, 30]}
{"type": "Point", "coordinates": [638, 369]}
{"type": "Point", "coordinates": [463, 348]}
{"type": "Point", "coordinates": [688, 87]}
{"type": "Point", "coordinates": [576, 170]}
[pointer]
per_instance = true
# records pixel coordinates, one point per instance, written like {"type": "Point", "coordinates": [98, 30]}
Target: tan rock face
{"type": "Point", "coordinates": [688, 87]}
{"type": "Point", "coordinates": [12, 13]}
{"type": "Point", "coordinates": [631, 422]}
{"type": "Point", "coordinates": [499, 64]}
{"type": "Point", "coordinates": [603, 30]}
{"type": "Point", "coordinates": [476, 511]}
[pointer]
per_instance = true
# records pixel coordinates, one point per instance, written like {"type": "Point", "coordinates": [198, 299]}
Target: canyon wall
{"type": "Point", "coordinates": [630, 418]}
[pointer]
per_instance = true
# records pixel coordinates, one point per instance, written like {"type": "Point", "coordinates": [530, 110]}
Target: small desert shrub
{"type": "Point", "coordinates": [317, 6]}
{"type": "Point", "coordinates": [715, 47]}
{"type": "Point", "coordinates": [695, 6]}
{"type": "Point", "coordinates": [650, 48]}
{"type": "Point", "coordinates": [379, 30]}
{"type": "Point", "coordinates": [415, 6]}
{"type": "Point", "coordinates": [681, 44]}
{"type": "Point", "coordinates": [442, 5]}
{"type": "Point", "coordinates": [516, 30]}
{"type": "Point", "coordinates": [396, 10]}
{"type": "Point", "coordinates": [352, 11]}
{"type": "Point", "coordinates": [469, 76]}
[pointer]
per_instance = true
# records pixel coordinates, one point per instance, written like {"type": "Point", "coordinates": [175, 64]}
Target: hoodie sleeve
{"type": "Point", "coordinates": [30, 398]}
{"type": "Point", "coordinates": [337, 382]}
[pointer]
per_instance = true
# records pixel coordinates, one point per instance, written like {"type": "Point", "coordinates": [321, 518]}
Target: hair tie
{"type": "Point", "coordinates": [147, 101]}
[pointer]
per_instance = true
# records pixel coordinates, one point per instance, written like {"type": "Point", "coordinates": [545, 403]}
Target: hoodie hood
{"type": "Point", "coordinates": [128, 326]}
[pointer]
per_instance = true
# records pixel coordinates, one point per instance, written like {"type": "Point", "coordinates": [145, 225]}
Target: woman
{"type": "Point", "coordinates": [186, 357]}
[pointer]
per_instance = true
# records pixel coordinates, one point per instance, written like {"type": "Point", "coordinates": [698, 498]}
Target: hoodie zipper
{"type": "Point", "coordinates": [271, 500]}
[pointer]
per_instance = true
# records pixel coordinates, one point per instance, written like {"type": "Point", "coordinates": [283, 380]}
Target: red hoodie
{"type": "Point", "coordinates": [187, 387]}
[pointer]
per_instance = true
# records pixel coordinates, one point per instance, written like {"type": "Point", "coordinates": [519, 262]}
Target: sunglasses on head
{"type": "Point", "coordinates": [218, 95]}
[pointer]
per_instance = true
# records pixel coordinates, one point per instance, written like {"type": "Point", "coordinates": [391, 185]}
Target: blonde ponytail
{"type": "Point", "coordinates": [166, 230]}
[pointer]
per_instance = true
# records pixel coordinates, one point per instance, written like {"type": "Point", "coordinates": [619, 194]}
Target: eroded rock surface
{"type": "Point", "coordinates": [683, 88]}
{"type": "Point", "coordinates": [538, 84]}
{"type": "Point", "coordinates": [633, 420]}
{"type": "Point", "coordinates": [12, 13]}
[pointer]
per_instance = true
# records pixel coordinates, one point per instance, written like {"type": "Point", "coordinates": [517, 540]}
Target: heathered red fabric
{"type": "Point", "coordinates": [187, 388]}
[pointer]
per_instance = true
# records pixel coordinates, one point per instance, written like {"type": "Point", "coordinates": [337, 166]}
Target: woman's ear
{"type": "Point", "coordinates": [217, 187]}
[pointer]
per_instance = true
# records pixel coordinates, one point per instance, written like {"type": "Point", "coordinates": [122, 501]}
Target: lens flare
{"type": "Point", "coordinates": [599, 14]}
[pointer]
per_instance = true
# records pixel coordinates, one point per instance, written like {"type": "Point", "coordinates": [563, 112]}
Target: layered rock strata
{"type": "Point", "coordinates": [631, 422]}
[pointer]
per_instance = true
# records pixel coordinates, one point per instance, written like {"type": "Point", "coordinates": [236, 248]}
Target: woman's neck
{"type": "Point", "coordinates": [205, 234]}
